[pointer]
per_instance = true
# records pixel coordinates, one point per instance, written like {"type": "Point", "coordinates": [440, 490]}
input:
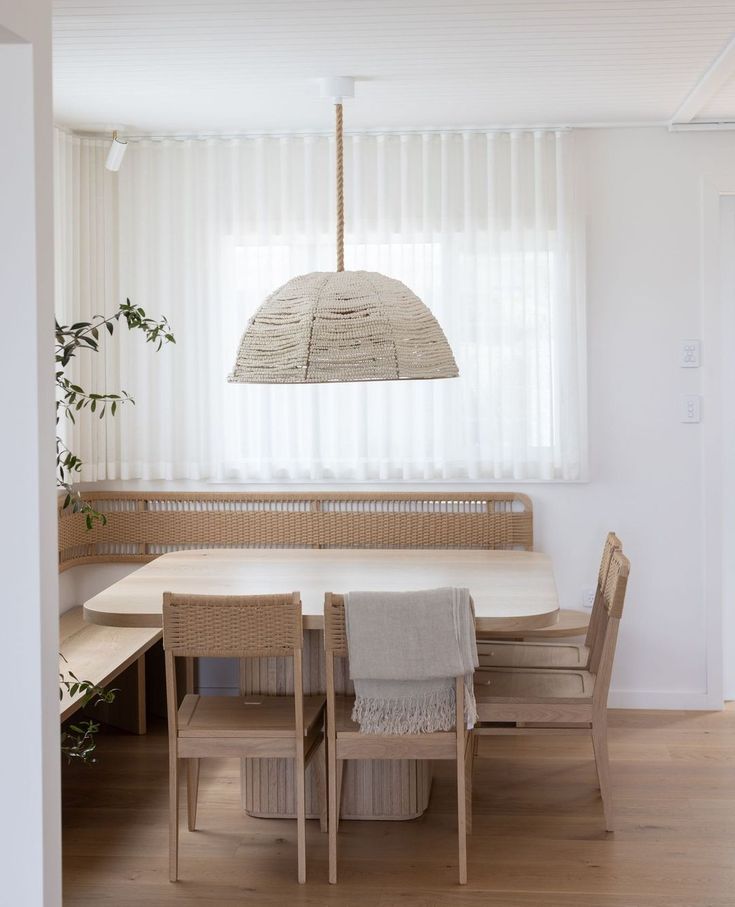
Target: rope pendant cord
{"type": "Point", "coordinates": [340, 189]}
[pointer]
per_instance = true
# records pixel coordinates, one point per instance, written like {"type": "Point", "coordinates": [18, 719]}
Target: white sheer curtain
{"type": "Point", "coordinates": [484, 227]}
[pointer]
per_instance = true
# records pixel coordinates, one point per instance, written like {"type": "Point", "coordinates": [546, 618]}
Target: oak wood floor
{"type": "Point", "coordinates": [538, 835]}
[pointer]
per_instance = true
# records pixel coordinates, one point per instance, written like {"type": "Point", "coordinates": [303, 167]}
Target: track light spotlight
{"type": "Point", "coordinates": [115, 154]}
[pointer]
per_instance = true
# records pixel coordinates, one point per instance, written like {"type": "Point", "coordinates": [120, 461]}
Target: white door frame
{"type": "Point", "coordinates": [30, 833]}
{"type": "Point", "coordinates": [714, 544]}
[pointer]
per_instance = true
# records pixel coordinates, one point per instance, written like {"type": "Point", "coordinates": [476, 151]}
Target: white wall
{"type": "Point", "coordinates": [29, 759]}
{"type": "Point", "coordinates": [648, 479]}
{"type": "Point", "coordinates": [644, 290]}
{"type": "Point", "coordinates": [727, 299]}
{"type": "Point", "coordinates": [645, 283]}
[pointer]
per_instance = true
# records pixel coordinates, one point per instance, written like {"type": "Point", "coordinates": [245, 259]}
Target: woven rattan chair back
{"type": "Point", "coordinates": [613, 599]}
{"type": "Point", "coordinates": [612, 543]}
{"type": "Point", "coordinates": [616, 584]}
{"type": "Point", "coordinates": [232, 626]}
{"type": "Point", "coordinates": [335, 631]}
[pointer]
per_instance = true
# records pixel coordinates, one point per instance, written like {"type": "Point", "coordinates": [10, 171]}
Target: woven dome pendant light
{"type": "Point", "coordinates": [342, 325]}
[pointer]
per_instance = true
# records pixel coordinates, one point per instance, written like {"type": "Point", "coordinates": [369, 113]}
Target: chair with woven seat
{"type": "Point", "coordinates": [345, 739]}
{"type": "Point", "coordinates": [250, 726]}
{"type": "Point", "coordinates": [501, 654]}
{"type": "Point", "coordinates": [536, 701]}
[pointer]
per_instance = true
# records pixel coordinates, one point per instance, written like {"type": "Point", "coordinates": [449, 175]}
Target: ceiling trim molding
{"type": "Point", "coordinates": [712, 80]}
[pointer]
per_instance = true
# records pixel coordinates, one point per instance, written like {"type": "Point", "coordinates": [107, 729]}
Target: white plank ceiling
{"type": "Point", "coordinates": [722, 105]}
{"type": "Point", "coordinates": [197, 66]}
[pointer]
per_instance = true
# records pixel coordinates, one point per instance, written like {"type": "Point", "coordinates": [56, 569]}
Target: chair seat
{"type": "Point", "coordinates": [497, 654]}
{"type": "Point", "coordinates": [534, 686]}
{"type": "Point", "coordinates": [252, 715]}
{"type": "Point", "coordinates": [343, 722]}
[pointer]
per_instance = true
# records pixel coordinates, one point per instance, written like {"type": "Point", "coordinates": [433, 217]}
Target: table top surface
{"type": "Point", "coordinates": [511, 589]}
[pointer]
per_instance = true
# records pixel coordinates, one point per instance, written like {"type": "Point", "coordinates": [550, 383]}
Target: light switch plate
{"type": "Point", "coordinates": [588, 598]}
{"type": "Point", "coordinates": [689, 356]}
{"type": "Point", "coordinates": [691, 408]}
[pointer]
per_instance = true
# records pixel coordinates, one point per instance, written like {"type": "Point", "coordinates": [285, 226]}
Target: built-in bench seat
{"type": "Point", "coordinates": [106, 656]}
{"type": "Point", "coordinates": [143, 525]}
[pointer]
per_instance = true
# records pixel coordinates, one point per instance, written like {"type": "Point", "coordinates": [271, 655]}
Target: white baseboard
{"type": "Point", "coordinates": [663, 699]}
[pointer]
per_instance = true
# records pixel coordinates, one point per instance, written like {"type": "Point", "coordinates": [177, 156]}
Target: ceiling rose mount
{"type": "Point", "coordinates": [342, 326]}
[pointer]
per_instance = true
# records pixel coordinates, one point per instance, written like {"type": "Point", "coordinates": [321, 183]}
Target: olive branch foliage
{"type": "Point", "coordinates": [71, 399]}
{"type": "Point", "coordinates": [78, 739]}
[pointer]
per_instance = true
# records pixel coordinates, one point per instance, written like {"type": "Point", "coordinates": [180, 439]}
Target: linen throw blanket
{"type": "Point", "coordinates": [406, 649]}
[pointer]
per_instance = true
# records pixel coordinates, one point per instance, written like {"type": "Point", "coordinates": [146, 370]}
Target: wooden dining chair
{"type": "Point", "coordinates": [346, 741]}
{"type": "Point", "coordinates": [501, 654]}
{"type": "Point", "coordinates": [250, 726]}
{"type": "Point", "coordinates": [540, 701]}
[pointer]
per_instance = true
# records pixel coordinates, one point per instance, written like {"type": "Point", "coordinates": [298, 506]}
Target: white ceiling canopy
{"type": "Point", "coordinates": [230, 66]}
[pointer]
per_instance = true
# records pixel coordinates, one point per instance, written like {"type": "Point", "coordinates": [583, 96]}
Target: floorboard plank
{"type": "Point", "coordinates": [538, 839]}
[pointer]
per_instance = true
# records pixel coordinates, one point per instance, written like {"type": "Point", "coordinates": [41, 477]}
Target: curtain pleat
{"type": "Point", "coordinates": [486, 228]}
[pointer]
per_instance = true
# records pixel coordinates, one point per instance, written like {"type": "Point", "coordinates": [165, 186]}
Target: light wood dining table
{"type": "Point", "coordinates": [511, 590]}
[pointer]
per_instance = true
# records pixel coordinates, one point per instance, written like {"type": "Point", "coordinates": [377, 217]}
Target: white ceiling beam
{"type": "Point", "coordinates": [719, 72]}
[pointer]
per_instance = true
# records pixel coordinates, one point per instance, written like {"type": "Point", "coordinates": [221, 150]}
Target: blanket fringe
{"type": "Point", "coordinates": [435, 711]}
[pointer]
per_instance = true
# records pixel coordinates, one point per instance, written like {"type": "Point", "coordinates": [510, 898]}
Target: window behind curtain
{"type": "Point", "coordinates": [483, 227]}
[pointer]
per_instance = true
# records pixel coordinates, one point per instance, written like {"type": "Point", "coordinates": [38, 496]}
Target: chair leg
{"type": "Point", "coordinates": [333, 812]}
{"type": "Point", "coordinates": [301, 813]}
{"type": "Point", "coordinates": [173, 816]}
{"type": "Point", "coordinates": [602, 762]}
{"type": "Point", "coordinates": [340, 787]}
{"type": "Point", "coordinates": [140, 705]}
{"type": "Point", "coordinates": [320, 769]}
{"type": "Point", "coordinates": [469, 767]}
{"type": "Point", "coordinates": [462, 816]}
{"type": "Point", "coordinates": [192, 791]}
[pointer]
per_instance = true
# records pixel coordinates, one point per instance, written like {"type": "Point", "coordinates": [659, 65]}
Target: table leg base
{"type": "Point", "coordinates": [372, 790]}
{"type": "Point", "coordinates": [376, 790]}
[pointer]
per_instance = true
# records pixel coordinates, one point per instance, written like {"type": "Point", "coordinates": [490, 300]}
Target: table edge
{"type": "Point", "coordinates": [316, 621]}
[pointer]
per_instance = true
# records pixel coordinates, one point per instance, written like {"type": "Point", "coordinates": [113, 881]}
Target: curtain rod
{"type": "Point", "coordinates": [225, 136]}
{"type": "Point", "coordinates": [326, 133]}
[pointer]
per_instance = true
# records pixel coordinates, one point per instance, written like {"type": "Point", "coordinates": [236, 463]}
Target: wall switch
{"type": "Point", "coordinates": [691, 408]}
{"type": "Point", "coordinates": [689, 355]}
{"type": "Point", "coordinates": [588, 599]}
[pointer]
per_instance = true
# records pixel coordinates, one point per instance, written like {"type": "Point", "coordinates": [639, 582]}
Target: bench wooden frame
{"type": "Point", "coordinates": [106, 655]}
